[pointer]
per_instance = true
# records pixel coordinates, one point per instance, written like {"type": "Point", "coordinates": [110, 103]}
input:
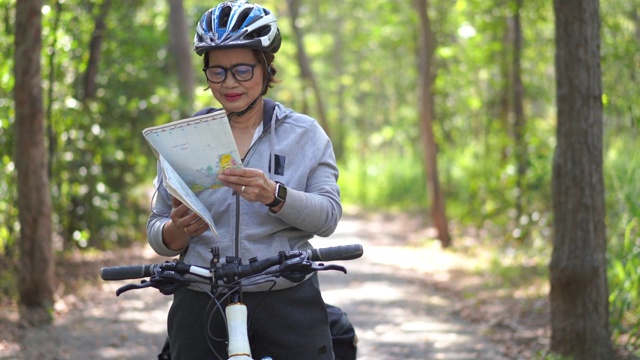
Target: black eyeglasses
{"type": "Point", "coordinates": [218, 74]}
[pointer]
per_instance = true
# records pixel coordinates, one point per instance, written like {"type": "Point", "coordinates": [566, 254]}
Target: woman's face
{"type": "Point", "coordinates": [232, 94]}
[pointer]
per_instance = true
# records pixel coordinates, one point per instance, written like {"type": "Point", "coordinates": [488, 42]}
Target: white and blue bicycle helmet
{"type": "Point", "coordinates": [237, 24]}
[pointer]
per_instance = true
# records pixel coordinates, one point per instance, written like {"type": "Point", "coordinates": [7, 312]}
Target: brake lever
{"type": "Point", "coordinates": [143, 284]}
{"type": "Point", "coordinates": [323, 267]}
{"type": "Point", "coordinates": [296, 270]}
{"type": "Point", "coordinates": [168, 283]}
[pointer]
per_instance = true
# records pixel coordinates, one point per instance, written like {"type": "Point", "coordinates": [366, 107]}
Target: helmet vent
{"type": "Point", "coordinates": [260, 32]}
{"type": "Point", "coordinates": [242, 17]}
{"type": "Point", "coordinates": [223, 17]}
{"type": "Point", "coordinates": [207, 22]}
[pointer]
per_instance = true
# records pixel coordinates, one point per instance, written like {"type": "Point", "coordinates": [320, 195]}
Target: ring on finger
{"type": "Point", "coordinates": [242, 188]}
{"type": "Point", "coordinates": [185, 230]}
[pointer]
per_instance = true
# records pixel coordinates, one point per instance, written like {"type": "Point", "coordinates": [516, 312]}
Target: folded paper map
{"type": "Point", "coordinates": [192, 152]}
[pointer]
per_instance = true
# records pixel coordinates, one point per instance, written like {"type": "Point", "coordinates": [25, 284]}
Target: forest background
{"type": "Point", "coordinates": [353, 66]}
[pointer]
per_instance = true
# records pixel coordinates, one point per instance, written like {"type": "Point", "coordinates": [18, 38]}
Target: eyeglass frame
{"type": "Point", "coordinates": [231, 70]}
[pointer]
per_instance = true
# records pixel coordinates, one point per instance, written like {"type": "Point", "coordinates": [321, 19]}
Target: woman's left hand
{"type": "Point", "coordinates": [251, 184]}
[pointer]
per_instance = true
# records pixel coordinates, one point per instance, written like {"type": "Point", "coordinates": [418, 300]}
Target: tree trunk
{"type": "Point", "coordinates": [519, 121]}
{"type": "Point", "coordinates": [579, 291]}
{"type": "Point", "coordinates": [308, 80]}
{"type": "Point", "coordinates": [180, 50]}
{"type": "Point", "coordinates": [338, 128]}
{"type": "Point", "coordinates": [36, 270]}
{"type": "Point", "coordinates": [506, 92]}
{"type": "Point", "coordinates": [95, 52]}
{"type": "Point", "coordinates": [426, 50]}
{"type": "Point", "coordinates": [51, 133]}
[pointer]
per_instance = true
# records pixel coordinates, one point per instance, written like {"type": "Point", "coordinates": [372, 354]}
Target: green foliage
{"type": "Point", "coordinates": [624, 280]}
{"type": "Point", "coordinates": [100, 158]}
{"type": "Point", "coordinates": [377, 182]}
{"type": "Point", "coordinates": [621, 62]}
{"type": "Point", "coordinates": [100, 167]}
{"type": "Point", "coordinates": [622, 178]}
{"type": "Point", "coordinates": [8, 197]}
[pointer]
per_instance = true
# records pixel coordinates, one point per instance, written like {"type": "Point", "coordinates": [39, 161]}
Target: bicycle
{"type": "Point", "coordinates": [226, 279]}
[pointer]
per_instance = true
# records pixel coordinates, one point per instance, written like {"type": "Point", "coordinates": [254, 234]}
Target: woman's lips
{"type": "Point", "coordinates": [232, 96]}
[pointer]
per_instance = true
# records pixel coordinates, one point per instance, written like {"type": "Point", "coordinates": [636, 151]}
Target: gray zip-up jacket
{"type": "Point", "coordinates": [303, 160]}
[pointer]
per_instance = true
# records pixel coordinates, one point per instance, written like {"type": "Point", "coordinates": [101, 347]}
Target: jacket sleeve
{"type": "Point", "coordinates": [160, 210]}
{"type": "Point", "coordinates": [317, 209]}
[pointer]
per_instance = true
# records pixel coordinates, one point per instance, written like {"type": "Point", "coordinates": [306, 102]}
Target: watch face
{"type": "Point", "coordinates": [281, 192]}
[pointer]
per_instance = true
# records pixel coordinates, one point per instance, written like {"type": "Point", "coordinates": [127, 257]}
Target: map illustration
{"type": "Point", "coordinates": [197, 148]}
{"type": "Point", "coordinates": [207, 178]}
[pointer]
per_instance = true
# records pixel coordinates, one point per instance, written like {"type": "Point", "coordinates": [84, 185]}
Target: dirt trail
{"type": "Point", "coordinates": [397, 312]}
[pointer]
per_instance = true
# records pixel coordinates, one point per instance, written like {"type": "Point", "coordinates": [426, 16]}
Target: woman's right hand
{"type": "Point", "coordinates": [183, 224]}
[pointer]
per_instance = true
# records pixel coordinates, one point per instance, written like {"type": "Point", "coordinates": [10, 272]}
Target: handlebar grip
{"type": "Point", "coordinates": [342, 252]}
{"type": "Point", "coordinates": [126, 272]}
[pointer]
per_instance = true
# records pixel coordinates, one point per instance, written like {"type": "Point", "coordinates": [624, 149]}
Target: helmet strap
{"type": "Point", "coordinates": [241, 113]}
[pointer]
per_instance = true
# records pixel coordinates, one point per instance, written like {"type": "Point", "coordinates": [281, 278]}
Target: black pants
{"type": "Point", "coordinates": [289, 324]}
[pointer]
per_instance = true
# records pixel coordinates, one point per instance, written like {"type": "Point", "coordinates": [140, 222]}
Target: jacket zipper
{"type": "Point", "coordinates": [246, 158]}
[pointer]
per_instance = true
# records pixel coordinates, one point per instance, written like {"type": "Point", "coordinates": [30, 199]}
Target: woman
{"type": "Point", "coordinates": [285, 194]}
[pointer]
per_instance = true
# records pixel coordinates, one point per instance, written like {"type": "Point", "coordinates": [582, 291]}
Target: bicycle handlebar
{"type": "Point", "coordinates": [333, 253]}
{"type": "Point", "coordinates": [127, 272]}
{"type": "Point", "coordinates": [170, 276]}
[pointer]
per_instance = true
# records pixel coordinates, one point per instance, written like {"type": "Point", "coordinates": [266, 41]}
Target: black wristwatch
{"type": "Point", "coordinates": [281, 195]}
